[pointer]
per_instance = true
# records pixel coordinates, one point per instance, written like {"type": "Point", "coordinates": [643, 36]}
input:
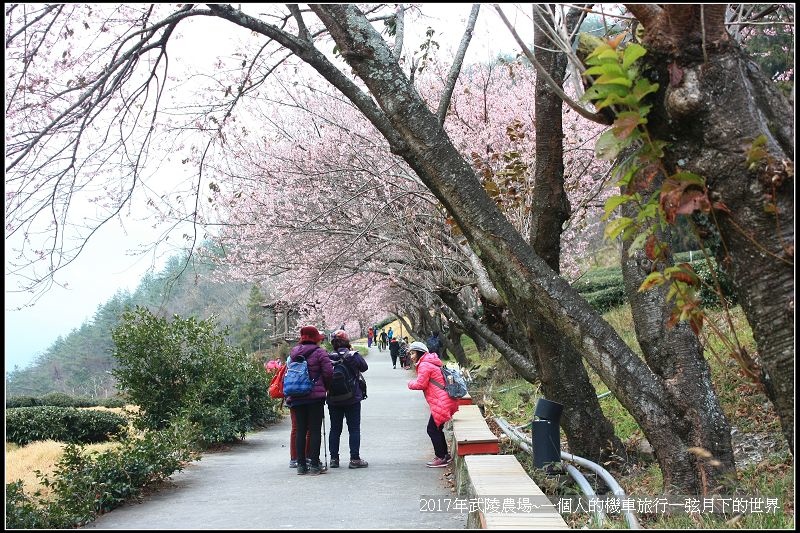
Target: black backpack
{"type": "Point", "coordinates": [343, 382]}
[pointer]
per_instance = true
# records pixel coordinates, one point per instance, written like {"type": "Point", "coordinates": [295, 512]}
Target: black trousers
{"type": "Point", "coordinates": [309, 420]}
{"type": "Point", "coordinates": [436, 433]}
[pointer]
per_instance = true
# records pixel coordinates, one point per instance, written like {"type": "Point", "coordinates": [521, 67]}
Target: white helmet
{"type": "Point", "coordinates": [417, 346]}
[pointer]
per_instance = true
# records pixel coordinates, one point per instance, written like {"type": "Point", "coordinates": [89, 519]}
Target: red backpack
{"type": "Point", "coordinates": [276, 384]}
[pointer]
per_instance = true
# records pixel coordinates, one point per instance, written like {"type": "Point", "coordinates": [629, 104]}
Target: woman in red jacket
{"type": "Point", "coordinates": [429, 366]}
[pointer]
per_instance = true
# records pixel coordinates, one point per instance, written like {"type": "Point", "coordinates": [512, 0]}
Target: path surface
{"type": "Point", "coordinates": [252, 487]}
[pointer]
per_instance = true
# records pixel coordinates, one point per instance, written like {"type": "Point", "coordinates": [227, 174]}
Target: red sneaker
{"type": "Point", "coordinates": [437, 463]}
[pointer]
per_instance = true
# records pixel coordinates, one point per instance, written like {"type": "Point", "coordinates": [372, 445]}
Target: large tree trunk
{"type": "Point", "coordinates": [563, 376]}
{"type": "Point", "coordinates": [452, 341]}
{"type": "Point", "coordinates": [676, 356]}
{"type": "Point", "coordinates": [713, 104]}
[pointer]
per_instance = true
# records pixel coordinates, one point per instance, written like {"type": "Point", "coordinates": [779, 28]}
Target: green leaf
{"type": "Point", "coordinates": [598, 70]}
{"type": "Point", "coordinates": [608, 54]}
{"type": "Point", "coordinates": [614, 202]}
{"type": "Point", "coordinates": [689, 177]}
{"type": "Point", "coordinates": [608, 146]}
{"type": "Point", "coordinates": [650, 210]}
{"type": "Point", "coordinates": [617, 226]}
{"type": "Point", "coordinates": [616, 94]}
{"type": "Point", "coordinates": [643, 87]}
{"type": "Point", "coordinates": [632, 52]}
{"type": "Point", "coordinates": [595, 56]}
{"type": "Point", "coordinates": [638, 242]}
{"type": "Point", "coordinates": [612, 79]}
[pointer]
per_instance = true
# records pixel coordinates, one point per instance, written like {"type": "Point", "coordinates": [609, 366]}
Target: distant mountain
{"type": "Point", "coordinates": [80, 362]}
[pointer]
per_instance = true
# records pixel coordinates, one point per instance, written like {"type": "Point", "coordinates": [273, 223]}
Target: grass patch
{"type": "Point", "coordinates": [22, 462]}
{"type": "Point", "coordinates": [765, 468]}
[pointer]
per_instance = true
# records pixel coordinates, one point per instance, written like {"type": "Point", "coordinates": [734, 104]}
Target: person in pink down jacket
{"type": "Point", "coordinates": [442, 406]}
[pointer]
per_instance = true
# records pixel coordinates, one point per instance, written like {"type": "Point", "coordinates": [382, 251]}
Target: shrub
{"type": "Point", "coordinates": [708, 295]}
{"type": "Point", "coordinates": [21, 511]}
{"type": "Point", "coordinates": [59, 399]}
{"type": "Point", "coordinates": [114, 402]}
{"type": "Point", "coordinates": [604, 287]}
{"type": "Point", "coordinates": [183, 368]}
{"type": "Point", "coordinates": [85, 485]}
{"type": "Point", "coordinates": [22, 401]}
{"type": "Point", "coordinates": [603, 300]}
{"type": "Point", "coordinates": [65, 424]}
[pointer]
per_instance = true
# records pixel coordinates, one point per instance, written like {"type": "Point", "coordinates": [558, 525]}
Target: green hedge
{"type": "Point", "coordinates": [64, 424]}
{"type": "Point", "coordinates": [22, 401]}
{"type": "Point", "coordinates": [603, 287]}
{"type": "Point", "coordinates": [59, 399]}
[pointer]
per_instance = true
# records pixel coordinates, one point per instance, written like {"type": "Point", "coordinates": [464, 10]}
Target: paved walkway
{"type": "Point", "coordinates": [252, 487]}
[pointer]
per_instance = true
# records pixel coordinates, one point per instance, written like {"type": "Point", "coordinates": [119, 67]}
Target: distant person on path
{"type": "Point", "coordinates": [435, 343]}
{"type": "Point", "coordinates": [442, 406]}
{"type": "Point", "coordinates": [394, 352]}
{"type": "Point", "coordinates": [349, 409]}
{"type": "Point", "coordinates": [384, 340]}
{"type": "Point", "coordinates": [405, 362]}
{"type": "Point", "coordinates": [310, 408]}
{"type": "Point", "coordinates": [390, 334]}
{"type": "Point", "coordinates": [370, 336]}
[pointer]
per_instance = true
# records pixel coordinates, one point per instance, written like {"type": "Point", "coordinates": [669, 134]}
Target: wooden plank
{"type": "Point", "coordinates": [468, 411]}
{"type": "Point", "coordinates": [471, 433]}
{"type": "Point", "coordinates": [500, 477]}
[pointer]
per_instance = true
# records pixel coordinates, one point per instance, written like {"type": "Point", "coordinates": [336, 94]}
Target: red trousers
{"type": "Point", "coordinates": [292, 445]}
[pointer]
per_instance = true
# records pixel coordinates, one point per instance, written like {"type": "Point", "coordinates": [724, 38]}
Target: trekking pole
{"type": "Point", "coordinates": [324, 439]}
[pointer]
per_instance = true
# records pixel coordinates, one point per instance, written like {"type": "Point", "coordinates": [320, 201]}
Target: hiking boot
{"type": "Point", "coordinates": [293, 463]}
{"type": "Point", "coordinates": [334, 461]}
{"type": "Point", "coordinates": [439, 462]}
{"type": "Point", "coordinates": [358, 463]}
{"type": "Point", "coordinates": [302, 470]}
{"type": "Point", "coordinates": [316, 470]}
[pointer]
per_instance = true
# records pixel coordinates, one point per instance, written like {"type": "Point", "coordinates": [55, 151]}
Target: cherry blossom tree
{"type": "Point", "coordinates": [61, 145]}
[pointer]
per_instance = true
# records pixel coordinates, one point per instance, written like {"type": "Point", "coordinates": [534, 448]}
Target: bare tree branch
{"type": "Point", "coordinates": [541, 71]}
{"type": "Point", "coordinates": [455, 69]}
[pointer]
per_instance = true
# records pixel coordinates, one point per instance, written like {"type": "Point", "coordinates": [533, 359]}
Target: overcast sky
{"type": "Point", "coordinates": [106, 266]}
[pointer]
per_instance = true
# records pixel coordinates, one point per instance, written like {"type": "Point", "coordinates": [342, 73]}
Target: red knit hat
{"type": "Point", "coordinates": [310, 333]}
{"type": "Point", "coordinates": [341, 335]}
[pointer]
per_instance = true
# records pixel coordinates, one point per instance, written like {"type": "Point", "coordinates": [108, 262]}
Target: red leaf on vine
{"type": "Point", "coordinates": [687, 275]}
{"type": "Point", "coordinates": [625, 124]}
{"type": "Point", "coordinates": [650, 248]}
{"type": "Point", "coordinates": [684, 277]}
{"type": "Point", "coordinates": [697, 323]}
{"type": "Point", "coordinates": [643, 179]}
{"type": "Point", "coordinates": [682, 198]}
{"type": "Point", "coordinates": [693, 200]}
{"type": "Point", "coordinates": [675, 74]}
{"type": "Point", "coordinates": [673, 319]}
